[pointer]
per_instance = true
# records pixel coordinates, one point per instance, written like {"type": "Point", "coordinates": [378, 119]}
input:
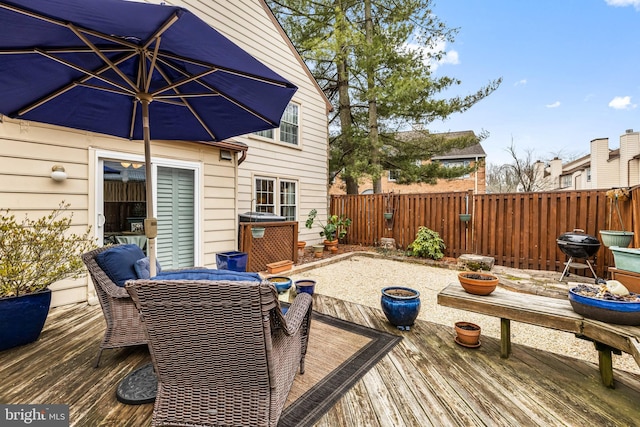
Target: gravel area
{"type": "Point", "coordinates": [359, 279]}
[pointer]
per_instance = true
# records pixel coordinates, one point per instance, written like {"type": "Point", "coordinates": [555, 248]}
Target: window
{"type": "Point", "coordinates": [457, 164]}
{"type": "Point", "coordinates": [288, 200]}
{"type": "Point", "coordinates": [285, 191]}
{"type": "Point", "coordinates": [289, 125]}
{"type": "Point", "coordinates": [289, 131]}
{"type": "Point", "coordinates": [393, 175]}
{"type": "Point", "coordinates": [565, 181]}
{"type": "Point", "coordinates": [588, 174]}
{"type": "Point", "coordinates": [265, 197]}
{"type": "Point", "coordinates": [265, 133]}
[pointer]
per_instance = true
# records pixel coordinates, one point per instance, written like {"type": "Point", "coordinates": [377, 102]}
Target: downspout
{"type": "Point", "coordinates": [475, 191]}
{"type": "Point", "coordinates": [243, 157]}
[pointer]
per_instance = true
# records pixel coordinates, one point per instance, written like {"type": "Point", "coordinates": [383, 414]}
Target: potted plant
{"type": "Point", "coordinates": [478, 283]}
{"type": "Point", "coordinates": [617, 237]}
{"type": "Point", "coordinates": [467, 334]}
{"type": "Point", "coordinates": [33, 255]}
{"type": "Point", "coordinates": [333, 229]}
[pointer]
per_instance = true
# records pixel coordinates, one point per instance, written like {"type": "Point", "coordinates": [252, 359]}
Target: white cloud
{"type": "Point", "coordinates": [450, 57]}
{"type": "Point", "coordinates": [520, 82]}
{"type": "Point", "coordinates": [554, 105]}
{"type": "Point", "coordinates": [624, 3]}
{"type": "Point", "coordinates": [622, 103]}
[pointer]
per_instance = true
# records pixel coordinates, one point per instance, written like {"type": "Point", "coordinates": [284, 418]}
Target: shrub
{"type": "Point", "coordinates": [428, 244]}
{"type": "Point", "coordinates": [36, 253]}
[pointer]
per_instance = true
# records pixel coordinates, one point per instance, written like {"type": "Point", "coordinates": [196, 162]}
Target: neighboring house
{"type": "Point", "coordinates": [601, 168]}
{"type": "Point", "coordinates": [470, 156]}
{"type": "Point", "coordinates": [200, 188]}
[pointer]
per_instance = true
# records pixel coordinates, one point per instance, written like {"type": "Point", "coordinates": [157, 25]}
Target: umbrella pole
{"type": "Point", "coordinates": [150, 223]}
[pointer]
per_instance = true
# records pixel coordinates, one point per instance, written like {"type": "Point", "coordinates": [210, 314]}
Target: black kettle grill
{"type": "Point", "coordinates": [577, 244]}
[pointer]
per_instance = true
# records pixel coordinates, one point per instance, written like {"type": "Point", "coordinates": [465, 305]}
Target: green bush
{"type": "Point", "coordinates": [36, 253]}
{"type": "Point", "coordinates": [428, 244]}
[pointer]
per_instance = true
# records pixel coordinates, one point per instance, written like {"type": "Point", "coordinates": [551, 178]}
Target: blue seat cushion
{"type": "Point", "coordinates": [142, 268]}
{"type": "Point", "coordinates": [208, 274]}
{"type": "Point", "coordinates": [118, 262]}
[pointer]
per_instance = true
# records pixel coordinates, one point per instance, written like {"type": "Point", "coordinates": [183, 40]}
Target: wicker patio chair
{"type": "Point", "coordinates": [223, 352]}
{"type": "Point", "coordinates": [120, 313]}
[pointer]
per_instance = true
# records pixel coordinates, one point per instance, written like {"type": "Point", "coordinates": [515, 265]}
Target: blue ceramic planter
{"type": "Point", "coordinates": [307, 286]}
{"type": "Point", "coordinates": [400, 305]}
{"type": "Point", "coordinates": [618, 312]}
{"type": "Point", "coordinates": [281, 283]}
{"type": "Point", "coordinates": [22, 318]}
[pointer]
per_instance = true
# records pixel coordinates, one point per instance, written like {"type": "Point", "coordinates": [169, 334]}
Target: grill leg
{"type": "Point", "coordinates": [592, 271]}
{"type": "Point", "coordinates": [566, 268]}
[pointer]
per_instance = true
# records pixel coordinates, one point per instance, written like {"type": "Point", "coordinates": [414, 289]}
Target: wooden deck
{"type": "Point", "coordinates": [426, 380]}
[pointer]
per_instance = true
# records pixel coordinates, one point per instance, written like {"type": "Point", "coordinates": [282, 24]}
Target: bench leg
{"type": "Point", "coordinates": [605, 364]}
{"type": "Point", "coordinates": [505, 338]}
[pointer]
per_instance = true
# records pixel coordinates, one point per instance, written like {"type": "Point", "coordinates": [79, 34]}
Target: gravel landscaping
{"type": "Point", "coordinates": [359, 279]}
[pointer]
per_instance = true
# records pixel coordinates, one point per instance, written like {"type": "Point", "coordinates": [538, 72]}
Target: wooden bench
{"type": "Point", "coordinates": [554, 313]}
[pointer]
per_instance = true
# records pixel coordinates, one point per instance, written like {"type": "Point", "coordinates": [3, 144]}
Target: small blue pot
{"type": "Point", "coordinates": [400, 305]}
{"type": "Point", "coordinates": [282, 283]}
{"type": "Point", "coordinates": [306, 286]}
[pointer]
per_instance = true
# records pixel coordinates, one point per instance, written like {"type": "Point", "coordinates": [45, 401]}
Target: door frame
{"type": "Point", "coordinates": [97, 158]}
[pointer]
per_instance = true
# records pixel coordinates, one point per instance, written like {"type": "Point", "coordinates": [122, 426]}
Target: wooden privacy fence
{"type": "Point", "coordinates": [518, 229]}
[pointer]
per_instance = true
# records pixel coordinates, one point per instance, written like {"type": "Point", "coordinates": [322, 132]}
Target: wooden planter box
{"type": "Point", "coordinates": [280, 266]}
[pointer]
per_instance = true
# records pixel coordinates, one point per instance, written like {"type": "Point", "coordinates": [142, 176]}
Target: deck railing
{"type": "Point", "coordinates": [518, 229]}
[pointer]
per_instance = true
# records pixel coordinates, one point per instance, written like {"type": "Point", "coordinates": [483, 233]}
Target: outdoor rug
{"type": "Point", "coordinates": [339, 354]}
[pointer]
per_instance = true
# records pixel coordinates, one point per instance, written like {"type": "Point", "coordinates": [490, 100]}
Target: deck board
{"type": "Point", "coordinates": [425, 380]}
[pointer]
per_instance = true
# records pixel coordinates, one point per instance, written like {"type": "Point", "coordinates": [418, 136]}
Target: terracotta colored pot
{"type": "Point", "coordinates": [467, 334]}
{"type": "Point", "coordinates": [329, 244]}
{"type": "Point", "coordinates": [478, 283]}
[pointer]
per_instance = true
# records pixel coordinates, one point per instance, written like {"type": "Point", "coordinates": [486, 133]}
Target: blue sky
{"type": "Point", "coordinates": [570, 70]}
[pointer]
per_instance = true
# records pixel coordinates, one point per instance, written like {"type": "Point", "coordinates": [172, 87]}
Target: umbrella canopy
{"type": "Point", "coordinates": [133, 70]}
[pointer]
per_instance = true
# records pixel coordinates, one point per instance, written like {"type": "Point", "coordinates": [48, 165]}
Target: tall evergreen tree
{"type": "Point", "coordinates": [374, 59]}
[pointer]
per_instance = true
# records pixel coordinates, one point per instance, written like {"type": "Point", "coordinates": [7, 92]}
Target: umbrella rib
{"type": "Point", "coordinates": [66, 24]}
{"type": "Point", "coordinates": [189, 79]}
{"type": "Point", "coordinates": [71, 85]}
{"type": "Point", "coordinates": [79, 49]}
{"type": "Point", "coordinates": [102, 56]}
{"type": "Point", "coordinates": [186, 104]}
{"type": "Point", "coordinates": [222, 68]}
{"type": "Point", "coordinates": [214, 91]}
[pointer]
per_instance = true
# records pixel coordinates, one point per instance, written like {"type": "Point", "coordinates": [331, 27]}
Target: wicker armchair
{"type": "Point", "coordinates": [223, 351]}
{"type": "Point", "coordinates": [120, 313]}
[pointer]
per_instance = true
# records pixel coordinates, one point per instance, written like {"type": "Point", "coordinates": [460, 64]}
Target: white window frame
{"type": "Point", "coordinates": [277, 205]}
{"type": "Point", "coordinates": [277, 134]}
{"type": "Point", "coordinates": [390, 174]}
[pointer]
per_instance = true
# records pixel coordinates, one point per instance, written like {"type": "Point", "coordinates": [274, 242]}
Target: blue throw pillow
{"type": "Point", "coordinates": [208, 274]}
{"type": "Point", "coordinates": [118, 262]}
{"type": "Point", "coordinates": [142, 268]}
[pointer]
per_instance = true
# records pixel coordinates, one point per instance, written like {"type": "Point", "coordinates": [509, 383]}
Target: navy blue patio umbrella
{"type": "Point", "coordinates": [132, 70]}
